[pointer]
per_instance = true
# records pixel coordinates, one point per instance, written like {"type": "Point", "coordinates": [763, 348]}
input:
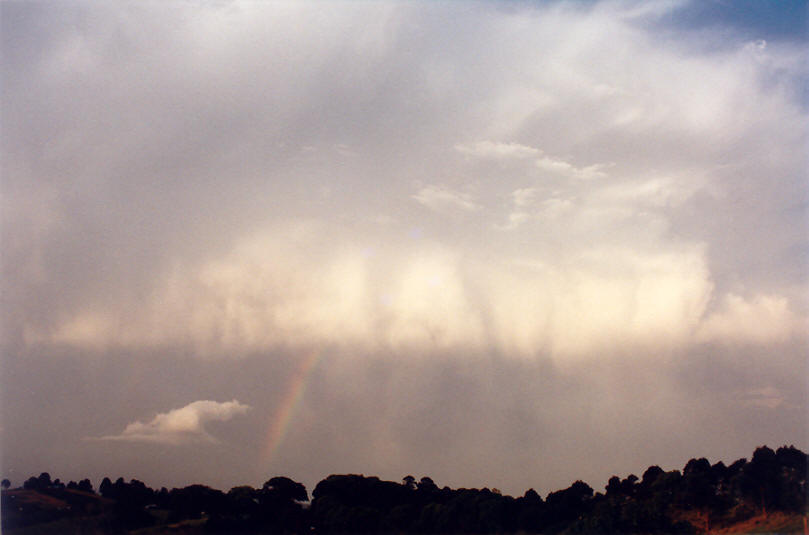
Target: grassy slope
{"type": "Point", "coordinates": [773, 523]}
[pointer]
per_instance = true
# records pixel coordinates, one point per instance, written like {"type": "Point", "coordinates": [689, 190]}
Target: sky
{"type": "Point", "coordinates": [499, 244]}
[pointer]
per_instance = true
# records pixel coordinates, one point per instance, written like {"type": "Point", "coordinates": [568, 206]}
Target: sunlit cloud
{"type": "Point", "coordinates": [762, 319]}
{"type": "Point", "coordinates": [181, 426]}
{"type": "Point", "coordinates": [266, 294]}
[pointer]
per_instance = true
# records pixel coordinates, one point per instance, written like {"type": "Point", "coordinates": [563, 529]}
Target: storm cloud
{"type": "Point", "coordinates": [500, 229]}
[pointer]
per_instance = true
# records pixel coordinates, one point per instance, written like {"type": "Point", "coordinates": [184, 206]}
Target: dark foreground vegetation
{"type": "Point", "coordinates": [702, 498]}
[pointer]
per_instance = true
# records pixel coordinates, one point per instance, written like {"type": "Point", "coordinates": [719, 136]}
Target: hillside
{"type": "Point", "coordinates": [767, 494]}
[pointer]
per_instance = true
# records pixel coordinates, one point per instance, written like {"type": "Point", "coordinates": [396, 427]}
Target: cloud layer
{"type": "Point", "coordinates": [266, 295]}
{"type": "Point", "coordinates": [597, 185]}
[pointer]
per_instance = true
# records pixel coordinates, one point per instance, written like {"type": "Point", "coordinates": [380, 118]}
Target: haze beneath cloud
{"type": "Point", "coordinates": [520, 239]}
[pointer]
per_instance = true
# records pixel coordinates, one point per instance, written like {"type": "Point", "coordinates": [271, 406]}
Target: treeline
{"type": "Point", "coordinates": [700, 497]}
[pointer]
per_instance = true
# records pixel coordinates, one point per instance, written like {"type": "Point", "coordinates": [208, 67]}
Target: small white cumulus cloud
{"type": "Point", "coordinates": [493, 150]}
{"type": "Point", "coordinates": [442, 199]}
{"type": "Point", "coordinates": [181, 426]}
{"type": "Point", "coordinates": [506, 151]}
{"type": "Point", "coordinates": [561, 167]}
{"type": "Point", "coordinates": [756, 46]}
{"type": "Point", "coordinates": [533, 166]}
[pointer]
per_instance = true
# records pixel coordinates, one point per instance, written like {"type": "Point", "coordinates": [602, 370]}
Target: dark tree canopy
{"type": "Point", "coordinates": [708, 495]}
{"type": "Point", "coordinates": [286, 489]}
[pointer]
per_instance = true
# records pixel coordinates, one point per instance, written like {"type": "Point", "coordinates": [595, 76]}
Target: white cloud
{"type": "Point", "coordinates": [603, 298]}
{"type": "Point", "coordinates": [658, 192]}
{"type": "Point", "coordinates": [643, 10]}
{"type": "Point", "coordinates": [491, 150]}
{"type": "Point", "coordinates": [563, 168]}
{"type": "Point", "coordinates": [554, 207]}
{"type": "Point", "coordinates": [526, 207]}
{"type": "Point", "coordinates": [442, 199]}
{"type": "Point", "coordinates": [500, 151]}
{"type": "Point", "coordinates": [762, 319]}
{"type": "Point", "coordinates": [181, 426]}
{"type": "Point", "coordinates": [524, 196]}
{"type": "Point", "coordinates": [515, 219]}
{"type": "Point", "coordinates": [270, 292]}
{"type": "Point", "coordinates": [522, 199]}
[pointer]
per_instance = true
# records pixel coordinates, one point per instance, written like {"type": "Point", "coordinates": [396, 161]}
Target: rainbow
{"type": "Point", "coordinates": [280, 420]}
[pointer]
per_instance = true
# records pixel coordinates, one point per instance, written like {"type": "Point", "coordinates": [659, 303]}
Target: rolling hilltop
{"type": "Point", "coordinates": [766, 494]}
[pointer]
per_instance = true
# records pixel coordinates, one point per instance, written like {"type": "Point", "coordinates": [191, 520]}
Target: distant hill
{"type": "Point", "coordinates": [767, 494]}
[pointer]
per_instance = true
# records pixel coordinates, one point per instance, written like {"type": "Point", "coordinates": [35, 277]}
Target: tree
{"type": "Point", "coordinates": [792, 466]}
{"type": "Point", "coordinates": [193, 500]}
{"type": "Point", "coordinates": [426, 484]}
{"type": "Point", "coordinates": [44, 480]}
{"type": "Point", "coordinates": [5, 484]}
{"type": "Point", "coordinates": [760, 479]}
{"type": "Point", "coordinates": [105, 489]}
{"type": "Point", "coordinates": [280, 509]}
{"type": "Point", "coordinates": [568, 504]}
{"type": "Point", "coordinates": [697, 466]}
{"type": "Point", "coordinates": [286, 489]}
{"type": "Point", "coordinates": [628, 485]}
{"type": "Point", "coordinates": [651, 473]}
{"type": "Point", "coordinates": [532, 496]}
{"type": "Point", "coordinates": [243, 500]}
{"type": "Point", "coordinates": [613, 486]}
{"type": "Point", "coordinates": [697, 488]}
{"type": "Point", "coordinates": [409, 482]}
{"type": "Point", "coordinates": [85, 486]}
{"type": "Point", "coordinates": [531, 511]}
